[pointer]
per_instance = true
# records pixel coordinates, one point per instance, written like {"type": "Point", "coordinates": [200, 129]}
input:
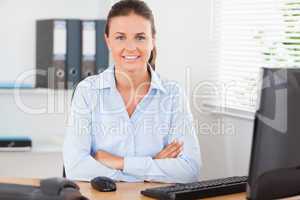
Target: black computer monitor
{"type": "Point", "coordinates": [274, 170]}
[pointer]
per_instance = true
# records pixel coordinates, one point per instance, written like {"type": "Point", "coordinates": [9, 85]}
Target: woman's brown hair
{"type": "Point", "coordinates": [138, 7]}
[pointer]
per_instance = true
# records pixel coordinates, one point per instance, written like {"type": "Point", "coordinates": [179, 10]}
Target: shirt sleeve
{"type": "Point", "coordinates": [183, 169]}
{"type": "Point", "coordinates": [78, 162]}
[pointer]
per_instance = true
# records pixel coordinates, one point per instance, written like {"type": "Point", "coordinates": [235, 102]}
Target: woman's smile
{"type": "Point", "coordinates": [131, 58]}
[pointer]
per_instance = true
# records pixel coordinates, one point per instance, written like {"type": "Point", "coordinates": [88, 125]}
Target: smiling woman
{"type": "Point", "coordinates": [131, 41]}
{"type": "Point", "coordinates": [143, 17]}
{"type": "Point", "coordinates": [127, 123]}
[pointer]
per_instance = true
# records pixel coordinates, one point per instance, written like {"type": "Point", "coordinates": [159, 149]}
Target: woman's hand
{"type": "Point", "coordinates": [172, 150]}
{"type": "Point", "coordinates": [109, 160]}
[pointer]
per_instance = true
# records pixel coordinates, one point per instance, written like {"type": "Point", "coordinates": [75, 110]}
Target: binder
{"type": "Point", "coordinates": [73, 60]}
{"type": "Point", "coordinates": [88, 63]}
{"type": "Point", "coordinates": [51, 53]}
{"type": "Point", "coordinates": [102, 53]}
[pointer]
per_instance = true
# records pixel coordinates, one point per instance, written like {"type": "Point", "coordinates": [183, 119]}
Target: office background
{"type": "Point", "coordinates": [184, 54]}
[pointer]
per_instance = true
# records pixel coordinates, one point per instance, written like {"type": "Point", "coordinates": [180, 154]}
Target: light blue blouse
{"type": "Point", "coordinates": [99, 121]}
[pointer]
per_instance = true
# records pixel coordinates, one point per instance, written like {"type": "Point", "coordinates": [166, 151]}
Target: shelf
{"type": "Point", "coordinates": [35, 91]}
{"type": "Point", "coordinates": [36, 150]}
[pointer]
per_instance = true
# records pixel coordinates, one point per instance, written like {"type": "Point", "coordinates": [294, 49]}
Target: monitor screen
{"type": "Point", "coordinates": [274, 170]}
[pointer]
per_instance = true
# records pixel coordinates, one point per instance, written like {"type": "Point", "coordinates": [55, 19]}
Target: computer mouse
{"type": "Point", "coordinates": [103, 184]}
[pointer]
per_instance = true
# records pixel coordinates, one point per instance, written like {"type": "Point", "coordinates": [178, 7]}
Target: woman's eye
{"type": "Point", "coordinates": [140, 38]}
{"type": "Point", "coordinates": [120, 37]}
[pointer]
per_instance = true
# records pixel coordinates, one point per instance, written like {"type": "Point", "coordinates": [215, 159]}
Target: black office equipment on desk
{"type": "Point", "coordinates": [275, 162]}
{"type": "Point", "coordinates": [49, 189]}
{"type": "Point", "coordinates": [103, 184]}
{"type": "Point", "coordinates": [198, 190]}
{"type": "Point", "coordinates": [15, 143]}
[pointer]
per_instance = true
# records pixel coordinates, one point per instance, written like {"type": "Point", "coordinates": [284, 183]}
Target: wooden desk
{"type": "Point", "coordinates": [125, 191]}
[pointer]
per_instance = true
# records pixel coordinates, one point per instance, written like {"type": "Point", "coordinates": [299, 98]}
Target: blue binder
{"type": "Point", "coordinates": [73, 52]}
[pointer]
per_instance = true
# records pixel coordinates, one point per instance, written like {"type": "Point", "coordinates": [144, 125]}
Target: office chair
{"type": "Point", "coordinates": [64, 172]}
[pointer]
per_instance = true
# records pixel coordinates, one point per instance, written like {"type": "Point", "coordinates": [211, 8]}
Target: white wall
{"type": "Point", "coordinates": [183, 42]}
{"type": "Point", "coordinates": [17, 19]}
{"type": "Point", "coordinates": [183, 38]}
{"type": "Point", "coordinates": [31, 164]}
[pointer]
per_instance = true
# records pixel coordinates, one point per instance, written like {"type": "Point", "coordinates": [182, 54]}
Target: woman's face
{"type": "Point", "coordinates": [130, 41]}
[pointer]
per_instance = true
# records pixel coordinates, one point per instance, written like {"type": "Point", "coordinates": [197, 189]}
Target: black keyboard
{"type": "Point", "coordinates": [196, 190]}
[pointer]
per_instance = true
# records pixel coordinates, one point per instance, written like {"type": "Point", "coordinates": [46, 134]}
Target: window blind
{"type": "Point", "coordinates": [253, 34]}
